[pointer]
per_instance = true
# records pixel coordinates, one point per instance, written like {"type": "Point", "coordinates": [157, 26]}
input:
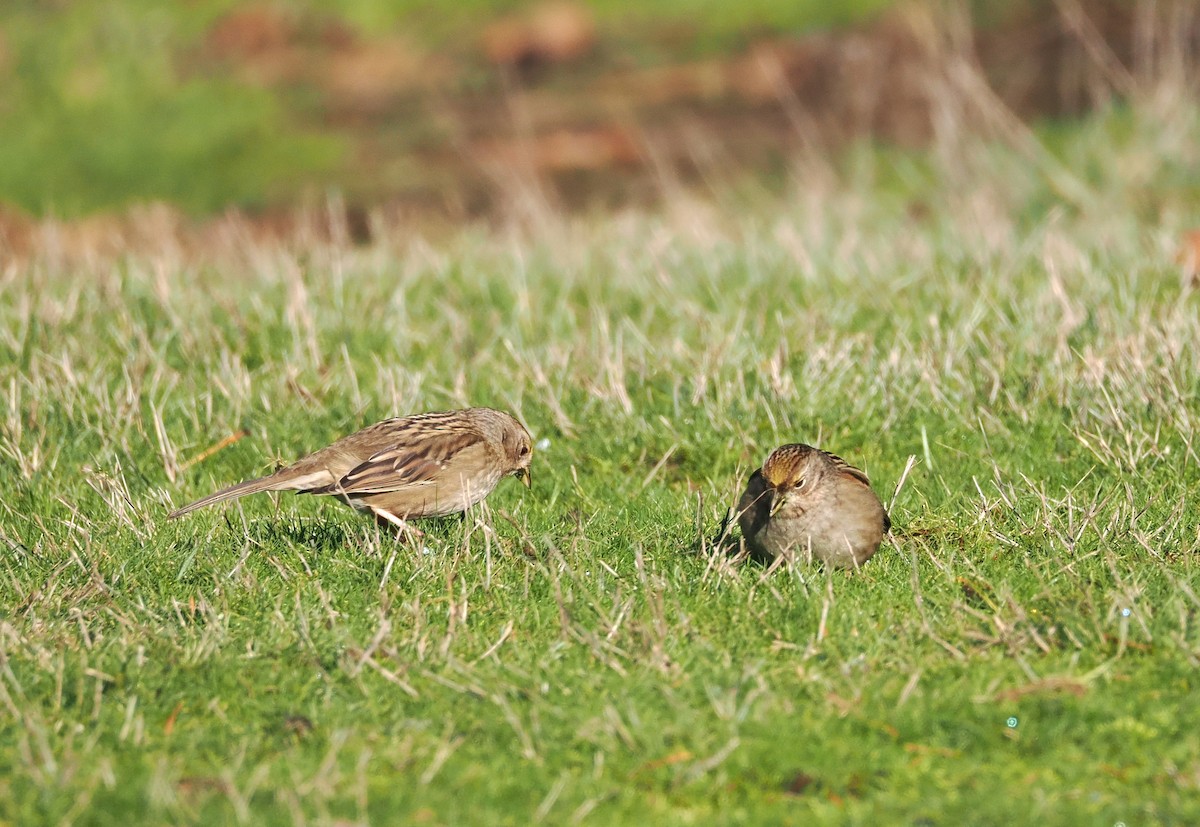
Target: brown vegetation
{"type": "Point", "coordinates": [550, 99]}
{"type": "Point", "coordinates": [541, 103]}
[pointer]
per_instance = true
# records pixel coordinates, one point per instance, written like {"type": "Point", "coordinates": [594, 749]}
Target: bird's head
{"type": "Point", "coordinates": [519, 447]}
{"type": "Point", "coordinates": [790, 473]}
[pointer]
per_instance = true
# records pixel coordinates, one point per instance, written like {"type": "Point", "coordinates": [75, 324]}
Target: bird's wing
{"type": "Point", "coordinates": [855, 473]}
{"type": "Point", "coordinates": [848, 469]}
{"type": "Point", "coordinates": [754, 509]}
{"type": "Point", "coordinates": [415, 459]}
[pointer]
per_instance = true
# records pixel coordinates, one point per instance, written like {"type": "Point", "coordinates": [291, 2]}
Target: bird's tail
{"type": "Point", "coordinates": [267, 483]}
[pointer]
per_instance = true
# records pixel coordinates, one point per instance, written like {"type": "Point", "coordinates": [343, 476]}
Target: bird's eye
{"type": "Point", "coordinates": [800, 483]}
{"type": "Point", "coordinates": [524, 450]}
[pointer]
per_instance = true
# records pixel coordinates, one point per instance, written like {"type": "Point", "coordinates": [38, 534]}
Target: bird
{"type": "Point", "coordinates": [809, 504]}
{"type": "Point", "coordinates": [423, 465]}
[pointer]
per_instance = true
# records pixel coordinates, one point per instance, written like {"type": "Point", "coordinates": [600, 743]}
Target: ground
{"type": "Point", "coordinates": [1015, 370]}
{"type": "Point", "coordinates": [998, 326]}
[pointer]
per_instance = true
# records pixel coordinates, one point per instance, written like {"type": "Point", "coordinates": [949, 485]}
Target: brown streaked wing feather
{"type": "Point", "coordinates": [849, 469]}
{"type": "Point", "coordinates": [409, 463]}
{"type": "Point", "coordinates": [861, 476]}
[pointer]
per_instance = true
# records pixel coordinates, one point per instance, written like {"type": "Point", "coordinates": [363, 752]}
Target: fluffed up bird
{"type": "Point", "coordinates": [811, 505]}
{"type": "Point", "coordinates": [425, 465]}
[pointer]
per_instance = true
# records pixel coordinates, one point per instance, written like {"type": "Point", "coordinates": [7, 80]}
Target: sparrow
{"type": "Point", "coordinates": [425, 465]}
{"type": "Point", "coordinates": [809, 504]}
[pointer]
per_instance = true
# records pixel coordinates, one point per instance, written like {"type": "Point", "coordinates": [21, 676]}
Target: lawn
{"type": "Point", "coordinates": [1024, 648]}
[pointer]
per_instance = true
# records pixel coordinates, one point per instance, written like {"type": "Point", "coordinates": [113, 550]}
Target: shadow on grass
{"type": "Point", "coordinates": [313, 533]}
{"type": "Point", "coordinates": [727, 542]}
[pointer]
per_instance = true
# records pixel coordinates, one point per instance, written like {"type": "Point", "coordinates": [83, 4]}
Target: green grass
{"type": "Point", "coordinates": [99, 112]}
{"type": "Point", "coordinates": [1025, 648]}
{"type": "Point", "coordinates": [710, 24]}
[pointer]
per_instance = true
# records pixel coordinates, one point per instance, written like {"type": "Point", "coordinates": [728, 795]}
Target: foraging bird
{"type": "Point", "coordinates": [425, 465]}
{"type": "Point", "coordinates": [810, 504]}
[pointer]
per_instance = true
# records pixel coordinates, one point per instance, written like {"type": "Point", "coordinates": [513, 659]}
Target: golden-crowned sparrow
{"type": "Point", "coordinates": [809, 504]}
{"type": "Point", "coordinates": [426, 465]}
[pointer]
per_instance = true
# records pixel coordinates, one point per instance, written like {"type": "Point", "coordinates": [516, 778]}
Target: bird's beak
{"type": "Point", "coordinates": [523, 476]}
{"type": "Point", "coordinates": [777, 501]}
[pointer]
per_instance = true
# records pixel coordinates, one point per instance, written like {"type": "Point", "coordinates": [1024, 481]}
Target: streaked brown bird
{"type": "Point", "coordinates": [811, 505]}
{"type": "Point", "coordinates": [425, 465]}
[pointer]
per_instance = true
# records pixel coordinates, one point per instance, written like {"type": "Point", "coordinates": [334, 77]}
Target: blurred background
{"type": "Point", "coordinates": [475, 108]}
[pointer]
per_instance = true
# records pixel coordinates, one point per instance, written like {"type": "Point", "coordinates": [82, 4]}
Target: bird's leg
{"type": "Point", "coordinates": [402, 527]}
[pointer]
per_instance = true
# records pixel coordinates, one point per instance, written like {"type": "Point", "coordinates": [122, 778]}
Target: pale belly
{"type": "Point", "coordinates": [832, 544]}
